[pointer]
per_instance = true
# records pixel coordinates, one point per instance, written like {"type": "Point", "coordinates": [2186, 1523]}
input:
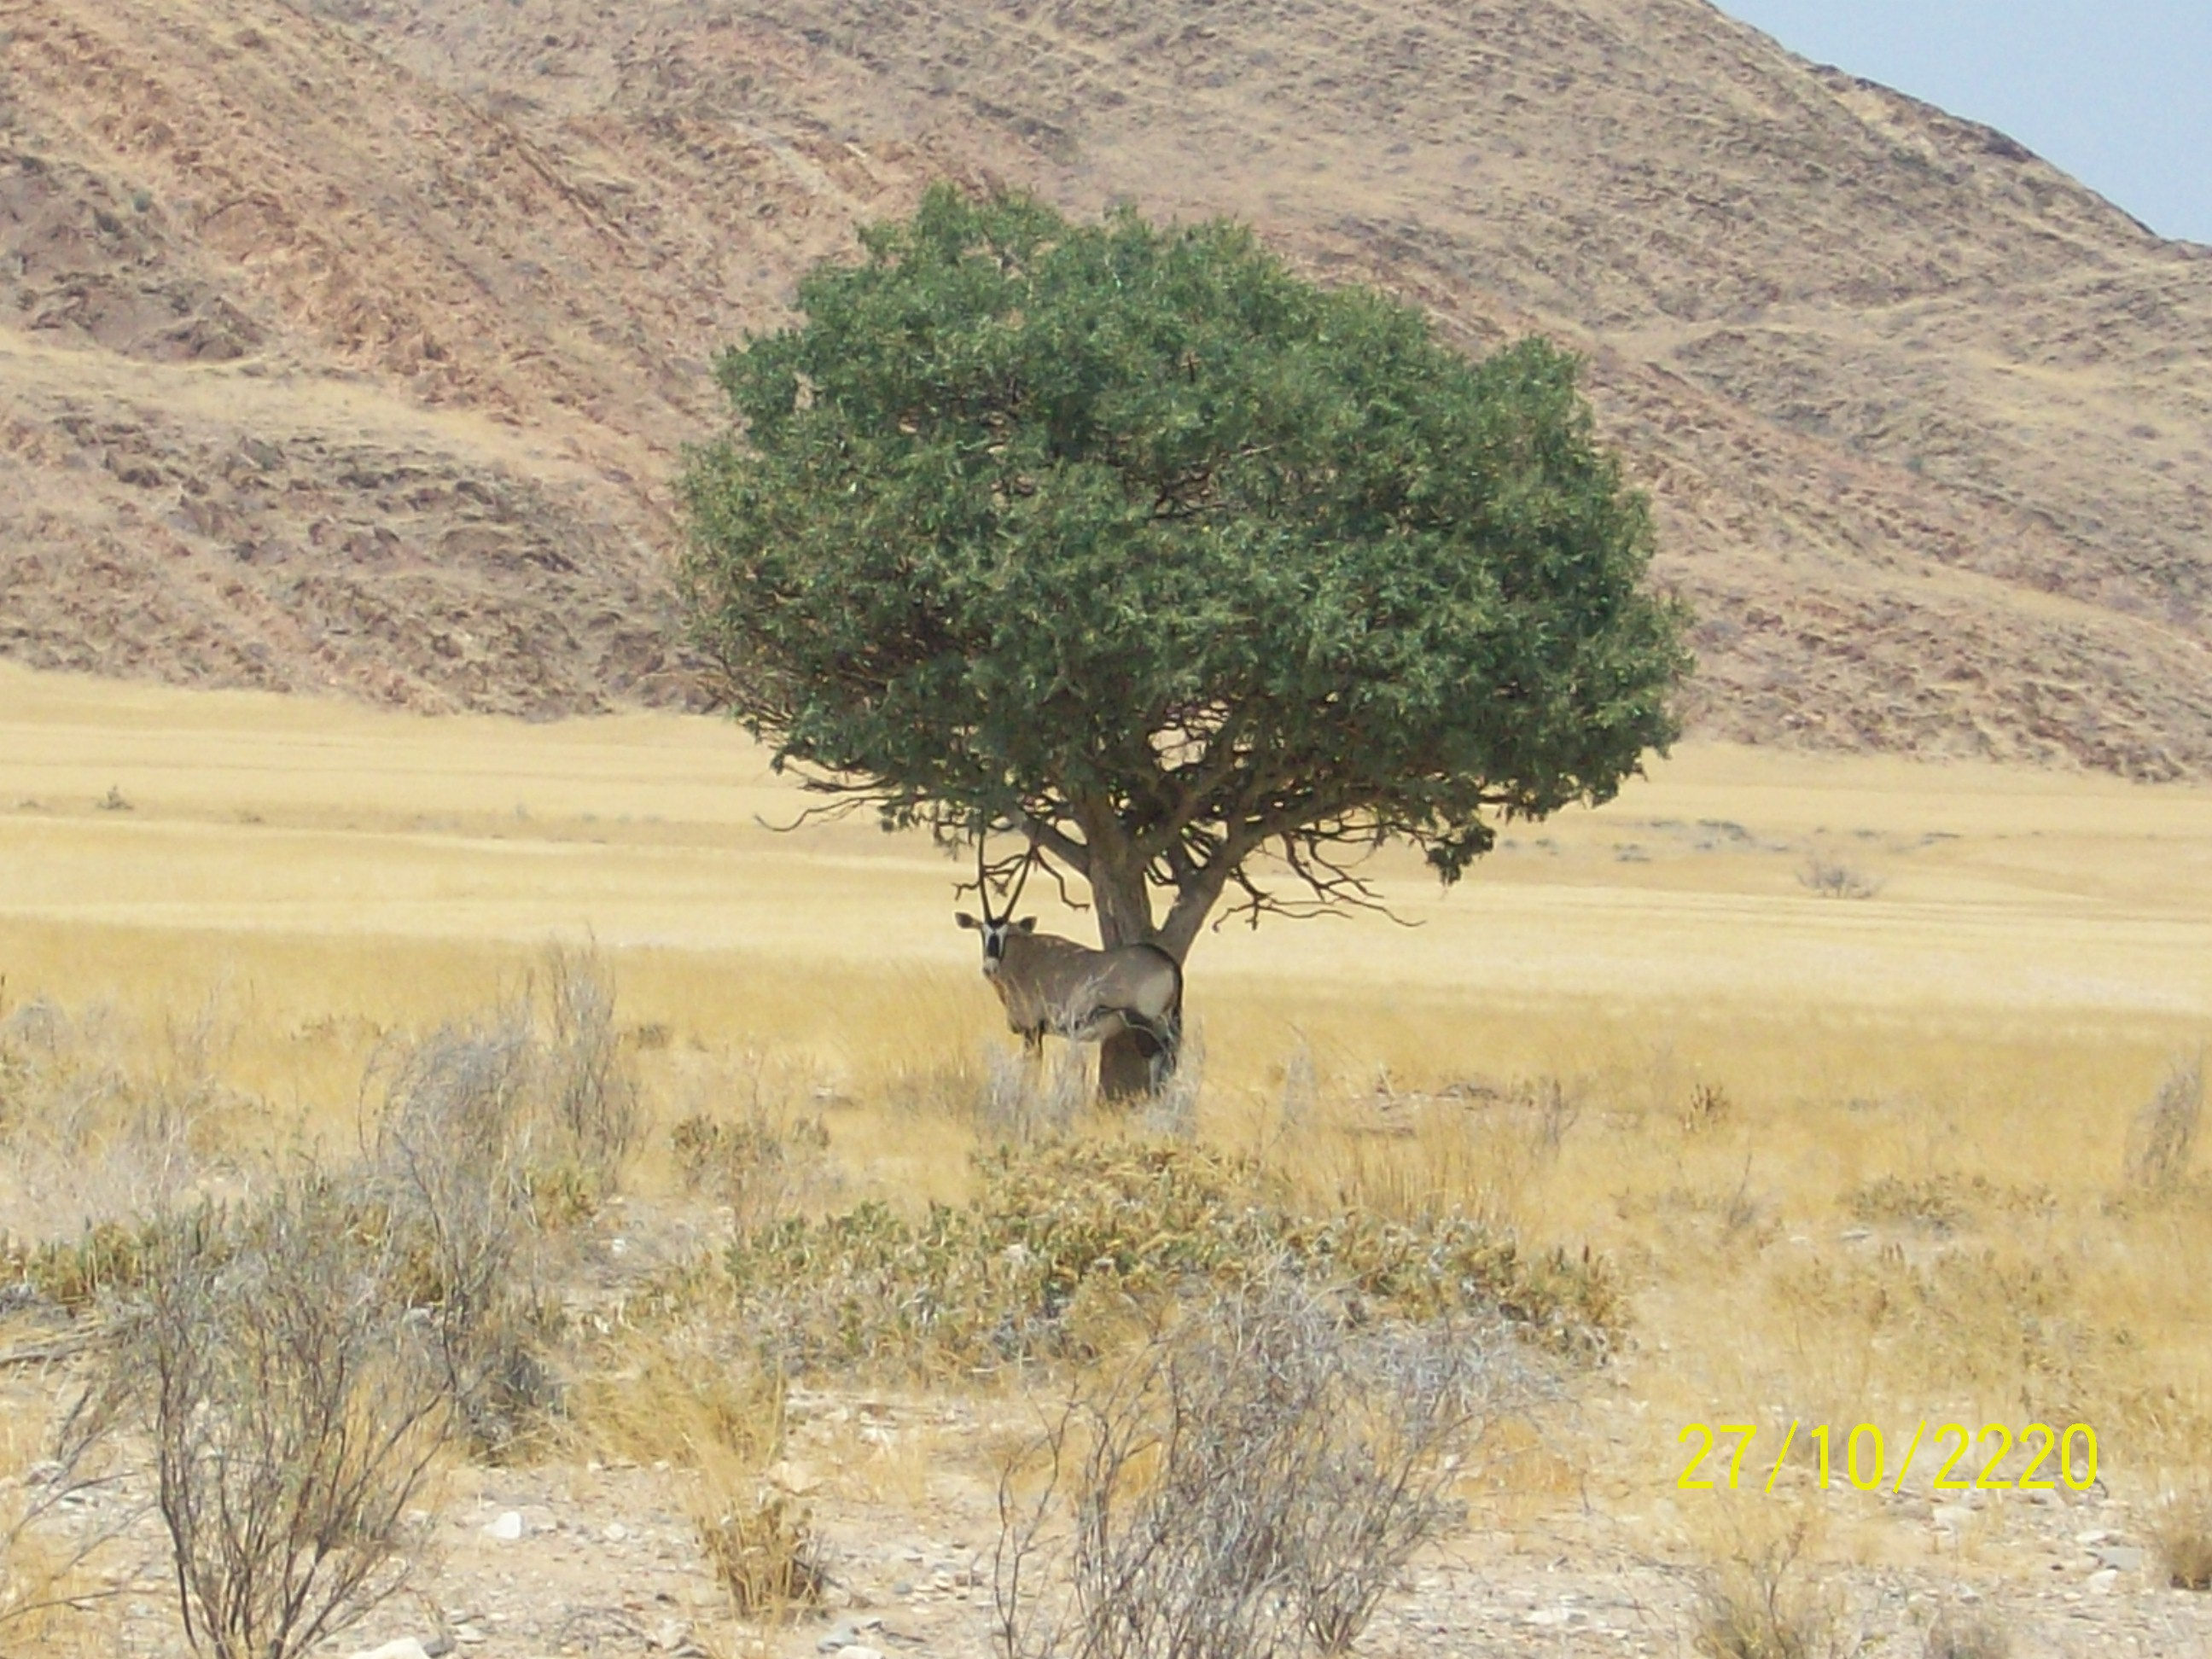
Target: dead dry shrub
{"type": "Point", "coordinates": [448, 1181]}
{"type": "Point", "coordinates": [591, 1084]}
{"type": "Point", "coordinates": [1833, 879]}
{"type": "Point", "coordinates": [2181, 1536]}
{"type": "Point", "coordinates": [486, 1143]}
{"type": "Point", "coordinates": [57, 1072]}
{"type": "Point", "coordinates": [1250, 1481]}
{"type": "Point", "coordinates": [2164, 1132]}
{"type": "Point", "coordinates": [294, 1416]}
{"type": "Point", "coordinates": [1762, 1604]}
{"type": "Point", "coordinates": [997, 1280]}
{"type": "Point", "coordinates": [104, 1123]}
{"type": "Point", "coordinates": [66, 1079]}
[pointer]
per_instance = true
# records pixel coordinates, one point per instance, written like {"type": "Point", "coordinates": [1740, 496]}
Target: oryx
{"type": "Point", "coordinates": [1053, 986]}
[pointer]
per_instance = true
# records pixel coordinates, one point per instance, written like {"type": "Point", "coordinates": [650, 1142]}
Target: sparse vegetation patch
{"type": "Point", "coordinates": [1003, 1277]}
{"type": "Point", "coordinates": [1942, 1203]}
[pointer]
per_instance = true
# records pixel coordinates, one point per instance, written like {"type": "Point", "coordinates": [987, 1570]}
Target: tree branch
{"type": "Point", "coordinates": [1183, 869]}
{"type": "Point", "coordinates": [1336, 886]}
{"type": "Point", "coordinates": [830, 814]}
{"type": "Point", "coordinates": [1057, 841]}
{"type": "Point", "coordinates": [1195, 786]}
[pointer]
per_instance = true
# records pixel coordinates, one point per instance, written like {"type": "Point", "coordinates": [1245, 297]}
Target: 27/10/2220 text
{"type": "Point", "coordinates": [1969, 1462]}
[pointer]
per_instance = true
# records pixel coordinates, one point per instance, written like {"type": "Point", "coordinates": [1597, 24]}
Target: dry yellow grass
{"type": "Point", "coordinates": [1902, 1198]}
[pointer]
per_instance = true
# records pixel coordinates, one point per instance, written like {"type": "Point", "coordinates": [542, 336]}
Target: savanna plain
{"type": "Point", "coordinates": [1783, 1089]}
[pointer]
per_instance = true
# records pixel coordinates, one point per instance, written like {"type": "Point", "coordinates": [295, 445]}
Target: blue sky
{"type": "Point", "coordinates": [2119, 93]}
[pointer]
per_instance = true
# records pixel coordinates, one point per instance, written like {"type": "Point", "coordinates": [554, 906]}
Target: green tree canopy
{"type": "Point", "coordinates": [1129, 536]}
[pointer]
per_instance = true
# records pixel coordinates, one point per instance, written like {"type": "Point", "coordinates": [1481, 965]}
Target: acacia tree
{"type": "Point", "coordinates": [1205, 579]}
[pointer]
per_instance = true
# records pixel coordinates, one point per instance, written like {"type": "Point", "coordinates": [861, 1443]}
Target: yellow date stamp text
{"type": "Point", "coordinates": [1719, 1452]}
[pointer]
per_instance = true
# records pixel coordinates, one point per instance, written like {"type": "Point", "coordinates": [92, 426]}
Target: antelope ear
{"type": "Point", "coordinates": [1027, 924]}
{"type": "Point", "coordinates": [965, 920]}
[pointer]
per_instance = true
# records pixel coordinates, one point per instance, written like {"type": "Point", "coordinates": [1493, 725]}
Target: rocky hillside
{"type": "Point", "coordinates": [352, 344]}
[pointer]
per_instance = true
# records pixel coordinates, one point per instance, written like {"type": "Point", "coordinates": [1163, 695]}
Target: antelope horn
{"type": "Point", "coordinates": [1029, 863]}
{"type": "Point", "coordinates": [983, 884]}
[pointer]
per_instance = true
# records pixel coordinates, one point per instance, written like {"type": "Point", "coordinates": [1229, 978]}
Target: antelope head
{"type": "Point", "coordinates": [995, 929]}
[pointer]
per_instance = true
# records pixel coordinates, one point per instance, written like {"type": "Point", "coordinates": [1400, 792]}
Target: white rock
{"type": "Point", "coordinates": [793, 1477]}
{"type": "Point", "coordinates": [506, 1528]}
{"type": "Point", "coordinates": [405, 1648]}
{"type": "Point", "coordinates": [858, 1651]}
{"type": "Point", "coordinates": [616, 1532]}
{"type": "Point", "coordinates": [2101, 1582]}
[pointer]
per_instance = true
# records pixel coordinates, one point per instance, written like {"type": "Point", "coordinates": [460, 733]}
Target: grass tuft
{"type": "Point", "coordinates": [1956, 1633]}
{"type": "Point", "coordinates": [2181, 1536]}
{"type": "Point", "coordinates": [2164, 1134]}
{"type": "Point", "coordinates": [765, 1554]}
{"type": "Point", "coordinates": [1759, 1605]}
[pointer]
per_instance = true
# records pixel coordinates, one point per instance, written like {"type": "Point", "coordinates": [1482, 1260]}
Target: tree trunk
{"type": "Point", "coordinates": [1124, 903]}
{"type": "Point", "coordinates": [1125, 1067]}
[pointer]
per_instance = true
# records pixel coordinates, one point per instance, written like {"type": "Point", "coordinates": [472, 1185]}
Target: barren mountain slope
{"type": "Point", "coordinates": [1930, 426]}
